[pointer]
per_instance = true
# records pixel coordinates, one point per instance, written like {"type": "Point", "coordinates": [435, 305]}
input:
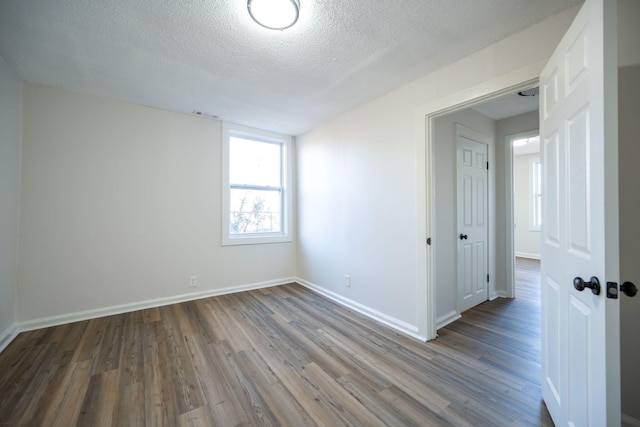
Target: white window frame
{"type": "Point", "coordinates": [286, 235]}
{"type": "Point", "coordinates": [535, 193]}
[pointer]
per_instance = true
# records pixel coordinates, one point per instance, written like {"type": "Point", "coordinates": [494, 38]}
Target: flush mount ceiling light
{"type": "Point", "coordinates": [274, 14]}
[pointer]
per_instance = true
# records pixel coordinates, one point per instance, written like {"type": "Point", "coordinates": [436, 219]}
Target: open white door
{"type": "Point", "coordinates": [578, 131]}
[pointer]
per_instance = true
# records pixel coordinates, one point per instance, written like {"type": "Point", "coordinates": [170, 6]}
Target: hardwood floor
{"type": "Point", "coordinates": [277, 356]}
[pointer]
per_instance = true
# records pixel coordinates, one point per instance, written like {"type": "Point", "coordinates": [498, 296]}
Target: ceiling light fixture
{"type": "Point", "coordinates": [274, 14]}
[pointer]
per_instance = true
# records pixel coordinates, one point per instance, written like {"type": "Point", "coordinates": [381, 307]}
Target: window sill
{"type": "Point", "coordinates": [254, 239]}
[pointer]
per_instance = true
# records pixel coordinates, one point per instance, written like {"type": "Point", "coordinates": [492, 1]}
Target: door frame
{"type": "Point", "coordinates": [510, 252]}
{"type": "Point", "coordinates": [521, 79]}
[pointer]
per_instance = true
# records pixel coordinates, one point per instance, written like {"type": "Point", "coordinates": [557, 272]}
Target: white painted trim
{"type": "Point", "coordinates": [62, 319]}
{"type": "Point", "coordinates": [526, 255]}
{"type": "Point", "coordinates": [629, 421]}
{"type": "Point", "coordinates": [399, 325]}
{"type": "Point", "coordinates": [8, 335]}
{"type": "Point", "coordinates": [517, 80]}
{"type": "Point", "coordinates": [448, 318]}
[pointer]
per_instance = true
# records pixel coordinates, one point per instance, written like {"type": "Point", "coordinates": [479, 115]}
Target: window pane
{"type": "Point", "coordinates": [255, 211]}
{"type": "Point", "coordinates": [254, 162]}
{"type": "Point", "coordinates": [537, 196]}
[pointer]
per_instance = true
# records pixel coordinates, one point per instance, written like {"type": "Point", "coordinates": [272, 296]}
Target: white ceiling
{"type": "Point", "coordinates": [531, 147]}
{"type": "Point", "coordinates": [509, 105]}
{"type": "Point", "coordinates": [209, 55]}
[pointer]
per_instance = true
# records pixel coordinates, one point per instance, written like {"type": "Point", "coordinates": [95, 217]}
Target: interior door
{"type": "Point", "coordinates": [472, 219]}
{"type": "Point", "coordinates": [578, 127]}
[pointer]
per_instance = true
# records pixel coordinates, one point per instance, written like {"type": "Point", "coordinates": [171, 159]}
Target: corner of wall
{"type": "Point", "coordinates": [10, 171]}
{"type": "Point", "coordinates": [8, 335]}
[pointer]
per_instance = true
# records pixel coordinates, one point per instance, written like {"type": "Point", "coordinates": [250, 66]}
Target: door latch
{"type": "Point", "coordinates": [627, 288]}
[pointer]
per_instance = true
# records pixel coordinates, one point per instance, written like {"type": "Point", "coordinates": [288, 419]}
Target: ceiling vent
{"type": "Point", "coordinates": [203, 114]}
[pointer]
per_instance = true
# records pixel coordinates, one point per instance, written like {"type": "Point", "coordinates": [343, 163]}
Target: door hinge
{"type": "Point", "coordinates": [487, 165]}
{"type": "Point", "coordinates": [429, 241]}
{"type": "Point", "coordinates": [487, 278]}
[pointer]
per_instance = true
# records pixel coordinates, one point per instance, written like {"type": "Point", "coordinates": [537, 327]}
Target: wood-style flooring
{"type": "Point", "coordinates": [278, 356]}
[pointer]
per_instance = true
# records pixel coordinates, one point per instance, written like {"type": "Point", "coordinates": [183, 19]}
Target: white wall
{"type": "Point", "coordinates": [445, 236]}
{"type": "Point", "coordinates": [10, 125]}
{"type": "Point", "coordinates": [120, 205]}
{"type": "Point", "coordinates": [629, 155]}
{"type": "Point", "coordinates": [526, 241]}
{"type": "Point", "coordinates": [357, 181]}
{"type": "Point", "coordinates": [629, 177]}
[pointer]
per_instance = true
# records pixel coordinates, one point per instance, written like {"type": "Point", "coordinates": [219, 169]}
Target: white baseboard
{"type": "Point", "coordinates": [629, 421]}
{"type": "Point", "coordinates": [392, 322]}
{"type": "Point", "coordinates": [450, 317]}
{"type": "Point", "coordinates": [8, 335]}
{"type": "Point", "coordinates": [62, 319]}
{"type": "Point", "coordinates": [497, 294]}
{"type": "Point", "coordinates": [527, 255]}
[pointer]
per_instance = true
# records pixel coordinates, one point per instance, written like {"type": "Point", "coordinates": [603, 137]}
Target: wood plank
{"type": "Point", "coordinates": [65, 405]}
{"type": "Point", "coordinates": [100, 400]}
{"type": "Point", "coordinates": [130, 408]}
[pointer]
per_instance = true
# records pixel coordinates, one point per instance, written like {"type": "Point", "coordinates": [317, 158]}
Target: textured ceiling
{"type": "Point", "coordinates": [209, 55]}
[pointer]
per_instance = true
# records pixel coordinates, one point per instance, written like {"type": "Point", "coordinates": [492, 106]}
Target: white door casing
{"type": "Point", "coordinates": [578, 128]}
{"type": "Point", "coordinates": [472, 212]}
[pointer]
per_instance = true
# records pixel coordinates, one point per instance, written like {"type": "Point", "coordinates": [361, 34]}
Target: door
{"type": "Point", "coordinates": [472, 207]}
{"type": "Point", "coordinates": [578, 127]}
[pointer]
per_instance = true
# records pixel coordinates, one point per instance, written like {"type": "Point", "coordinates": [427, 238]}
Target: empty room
{"type": "Point", "coordinates": [296, 212]}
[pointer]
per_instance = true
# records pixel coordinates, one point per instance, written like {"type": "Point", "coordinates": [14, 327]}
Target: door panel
{"type": "Point", "coordinates": [551, 370]}
{"type": "Point", "coordinates": [580, 330]}
{"type": "Point", "coordinates": [578, 152]}
{"type": "Point", "coordinates": [551, 189]}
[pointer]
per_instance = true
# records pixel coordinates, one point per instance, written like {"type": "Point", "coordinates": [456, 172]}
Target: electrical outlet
{"type": "Point", "coordinates": [193, 281]}
{"type": "Point", "coordinates": [347, 281]}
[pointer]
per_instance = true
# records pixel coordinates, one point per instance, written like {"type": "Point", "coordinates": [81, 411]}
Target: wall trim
{"type": "Point", "coordinates": [628, 420]}
{"type": "Point", "coordinates": [527, 255]}
{"type": "Point", "coordinates": [392, 322]}
{"type": "Point", "coordinates": [62, 319]}
{"type": "Point", "coordinates": [498, 294]}
{"type": "Point", "coordinates": [8, 336]}
{"type": "Point", "coordinates": [448, 318]}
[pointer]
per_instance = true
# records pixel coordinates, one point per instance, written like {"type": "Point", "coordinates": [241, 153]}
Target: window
{"type": "Point", "coordinates": [256, 186]}
{"type": "Point", "coordinates": [535, 215]}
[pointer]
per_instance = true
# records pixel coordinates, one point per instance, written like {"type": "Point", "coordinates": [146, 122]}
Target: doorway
{"type": "Point", "coordinates": [496, 120]}
{"type": "Point", "coordinates": [523, 202]}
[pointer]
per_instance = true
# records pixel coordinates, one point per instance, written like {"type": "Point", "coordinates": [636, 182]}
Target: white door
{"type": "Point", "coordinates": [578, 131]}
{"type": "Point", "coordinates": [472, 219]}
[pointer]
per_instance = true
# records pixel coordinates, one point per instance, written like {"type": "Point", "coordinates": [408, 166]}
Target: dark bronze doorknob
{"type": "Point", "coordinates": [463, 236]}
{"type": "Point", "coordinates": [593, 284]}
{"type": "Point", "coordinates": [629, 289]}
